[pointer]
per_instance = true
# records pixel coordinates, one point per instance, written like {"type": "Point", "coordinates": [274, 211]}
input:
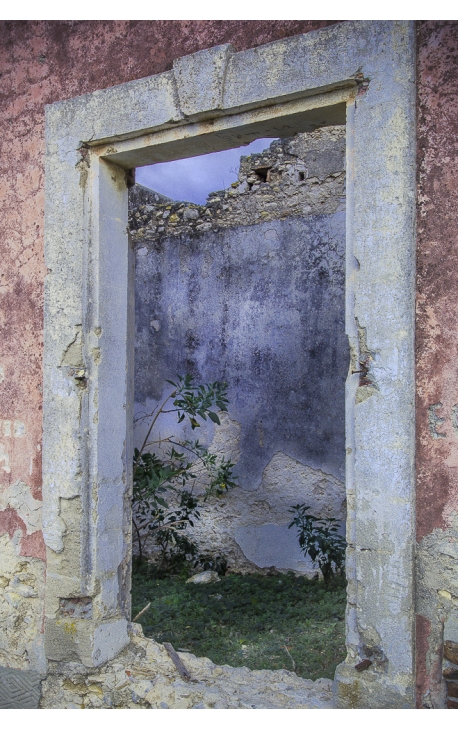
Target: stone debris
{"type": "Point", "coordinates": [143, 676]}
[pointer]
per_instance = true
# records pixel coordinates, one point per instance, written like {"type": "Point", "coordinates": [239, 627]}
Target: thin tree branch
{"type": "Point", "coordinates": [152, 424]}
{"type": "Point", "coordinates": [141, 612]}
{"type": "Point", "coordinates": [168, 526]}
{"type": "Point", "coordinates": [139, 539]}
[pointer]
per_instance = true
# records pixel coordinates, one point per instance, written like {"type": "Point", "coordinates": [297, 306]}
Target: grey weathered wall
{"type": "Point", "coordinates": [250, 289]}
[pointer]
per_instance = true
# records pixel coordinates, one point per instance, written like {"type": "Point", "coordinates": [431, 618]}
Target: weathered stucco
{"type": "Point", "coordinates": [86, 214]}
{"type": "Point", "coordinates": [437, 357]}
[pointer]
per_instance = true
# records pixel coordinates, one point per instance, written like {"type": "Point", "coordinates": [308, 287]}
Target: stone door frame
{"type": "Point", "coordinates": [360, 73]}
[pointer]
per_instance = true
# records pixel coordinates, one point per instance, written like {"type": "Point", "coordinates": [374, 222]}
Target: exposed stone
{"type": "Point", "coordinates": [139, 196]}
{"type": "Point", "coordinates": [450, 673]}
{"type": "Point", "coordinates": [207, 576]}
{"type": "Point", "coordinates": [143, 676]}
{"type": "Point", "coordinates": [251, 527]}
{"type": "Point", "coordinates": [21, 579]}
{"type": "Point", "coordinates": [451, 651]}
{"type": "Point", "coordinates": [86, 255]}
{"type": "Point", "coordinates": [452, 688]}
{"type": "Point", "coordinates": [436, 564]}
{"type": "Point", "coordinates": [302, 175]}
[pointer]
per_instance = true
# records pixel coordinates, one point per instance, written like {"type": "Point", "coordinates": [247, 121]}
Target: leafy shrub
{"type": "Point", "coordinates": [174, 473]}
{"type": "Point", "coordinates": [218, 563]}
{"type": "Point", "coordinates": [319, 538]}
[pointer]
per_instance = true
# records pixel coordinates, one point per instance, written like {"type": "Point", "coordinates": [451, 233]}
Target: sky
{"type": "Point", "coordinates": [194, 178]}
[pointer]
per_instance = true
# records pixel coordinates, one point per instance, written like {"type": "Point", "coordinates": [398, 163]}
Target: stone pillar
{"type": "Point", "coordinates": [380, 421]}
{"type": "Point", "coordinates": [88, 456]}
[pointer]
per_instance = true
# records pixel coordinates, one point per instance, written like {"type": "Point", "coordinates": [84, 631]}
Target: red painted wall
{"type": "Point", "coordinates": [437, 267]}
{"type": "Point", "coordinates": [437, 297]}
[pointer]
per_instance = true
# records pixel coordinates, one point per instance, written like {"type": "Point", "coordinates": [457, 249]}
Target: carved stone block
{"type": "Point", "coordinates": [19, 690]}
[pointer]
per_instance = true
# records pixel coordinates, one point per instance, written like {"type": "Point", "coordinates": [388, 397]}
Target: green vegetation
{"type": "Point", "coordinates": [261, 622]}
{"type": "Point", "coordinates": [319, 538]}
{"type": "Point", "coordinates": [164, 501]}
{"type": "Point", "coordinates": [256, 621]}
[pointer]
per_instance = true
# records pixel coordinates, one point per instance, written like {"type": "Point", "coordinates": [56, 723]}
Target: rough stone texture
{"type": "Point", "coordinates": [302, 175]}
{"type": "Point", "coordinates": [437, 355]}
{"type": "Point", "coordinates": [21, 606]}
{"type": "Point", "coordinates": [249, 289]}
{"type": "Point", "coordinates": [144, 677]}
{"type": "Point", "coordinates": [144, 197]}
{"type": "Point", "coordinates": [22, 577]}
{"type": "Point", "coordinates": [437, 609]}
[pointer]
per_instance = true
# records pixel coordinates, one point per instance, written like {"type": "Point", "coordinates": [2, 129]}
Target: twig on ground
{"type": "Point", "coordinates": [178, 663]}
{"type": "Point", "coordinates": [141, 612]}
{"type": "Point", "coordinates": [292, 660]}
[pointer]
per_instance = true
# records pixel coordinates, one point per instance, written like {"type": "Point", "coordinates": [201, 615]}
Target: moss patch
{"type": "Point", "coordinates": [260, 622]}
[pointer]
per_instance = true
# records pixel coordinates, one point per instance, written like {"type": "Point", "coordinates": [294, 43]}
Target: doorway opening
{"type": "Point", "coordinates": [243, 285]}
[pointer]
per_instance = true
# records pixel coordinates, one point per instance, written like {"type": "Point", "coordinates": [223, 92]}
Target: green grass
{"type": "Point", "coordinates": [248, 620]}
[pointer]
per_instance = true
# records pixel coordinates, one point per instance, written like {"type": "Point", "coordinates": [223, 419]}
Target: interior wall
{"type": "Point", "coordinates": [250, 290]}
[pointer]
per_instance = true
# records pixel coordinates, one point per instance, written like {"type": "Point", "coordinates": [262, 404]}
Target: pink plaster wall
{"type": "Point", "coordinates": [437, 297]}
{"type": "Point", "coordinates": [437, 265]}
{"type": "Point", "coordinates": [42, 62]}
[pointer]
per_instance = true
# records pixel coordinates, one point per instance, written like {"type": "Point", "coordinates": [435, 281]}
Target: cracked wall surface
{"type": "Point", "coordinates": [22, 578]}
{"type": "Point", "coordinates": [249, 289]}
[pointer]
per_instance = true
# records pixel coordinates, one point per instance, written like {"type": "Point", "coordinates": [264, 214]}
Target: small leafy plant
{"type": "Point", "coordinates": [319, 538]}
{"type": "Point", "coordinates": [174, 472]}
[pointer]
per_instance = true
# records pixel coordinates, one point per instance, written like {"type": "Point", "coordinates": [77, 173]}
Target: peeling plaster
{"type": "Point", "coordinates": [367, 383]}
{"type": "Point", "coordinates": [250, 527]}
{"type": "Point", "coordinates": [73, 355]}
{"type": "Point", "coordinates": [376, 125]}
{"type": "Point", "coordinates": [437, 605]}
{"type": "Point", "coordinates": [40, 74]}
{"type": "Point", "coordinates": [21, 602]}
{"type": "Point", "coordinates": [18, 497]}
{"type": "Point", "coordinates": [5, 458]}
